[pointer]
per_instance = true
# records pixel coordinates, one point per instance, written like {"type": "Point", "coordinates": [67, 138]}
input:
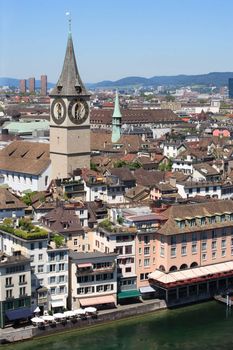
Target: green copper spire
{"type": "Point", "coordinates": [116, 120]}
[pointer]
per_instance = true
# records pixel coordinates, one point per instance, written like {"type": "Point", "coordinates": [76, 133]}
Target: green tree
{"type": "Point", "coordinates": [58, 240]}
{"type": "Point", "coordinates": [120, 163]}
{"type": "Point", "coordinates": [26, 225]}
{"type": "Point", "coordinates": [27, 198]}
{"type": "Point", "coordinates": [93, 166]}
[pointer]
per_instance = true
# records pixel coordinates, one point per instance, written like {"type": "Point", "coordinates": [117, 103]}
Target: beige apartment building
{"type": "Point", "coordinates": [92, 280]}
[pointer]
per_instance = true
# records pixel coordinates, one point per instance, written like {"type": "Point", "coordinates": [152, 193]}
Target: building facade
{"type": "Point", "coordinates": [22, 86]}
{"type": "Point", "coordinates": [15, 288]}
{"type": "Point", "coordinates": [31, 83]}
{"type": "Point", "coordinates": [43, 85]}
{"type": "Point", "coordinates": [195, 256]}
{"type": "Point", "coordinates": [93, 280]}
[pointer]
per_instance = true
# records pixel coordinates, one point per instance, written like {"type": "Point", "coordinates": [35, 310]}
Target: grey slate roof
{"type": "Point", "coordinates": [69, 80]}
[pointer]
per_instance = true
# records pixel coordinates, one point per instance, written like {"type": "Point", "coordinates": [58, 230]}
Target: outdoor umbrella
{"type": "Point", "coordinates": [90, 310]}
{"type": "Point", "coordinates": [37, 320]}
{"type": "Point", "coordinates": [59, 315]}
{"type": "Point", "coordinates": [69, 313]}
{"type": "Point", "coordinates": [48, 318]}
{"type": "Point", "coordinates": [80, 312]}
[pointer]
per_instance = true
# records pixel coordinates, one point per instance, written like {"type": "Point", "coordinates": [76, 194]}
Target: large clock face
{"type": "Point", "coordinates": [78, 111]}
{"type": "Point", "coordinates": [58, 111]}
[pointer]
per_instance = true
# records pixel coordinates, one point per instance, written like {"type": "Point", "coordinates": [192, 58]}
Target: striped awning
{"type": "Point", "coordinates": [105, 299]}
{"type": "Point", "coordinates": [196, 272]}
{"type": "Point", "coordinates": [84, 265]}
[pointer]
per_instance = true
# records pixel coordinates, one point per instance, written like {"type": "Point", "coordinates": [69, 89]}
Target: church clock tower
{"type": "Point", "coordinates": [69, 120]}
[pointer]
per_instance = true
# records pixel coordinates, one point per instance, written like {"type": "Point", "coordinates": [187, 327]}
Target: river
{"type": "Point", "coordinates": [200, 327]}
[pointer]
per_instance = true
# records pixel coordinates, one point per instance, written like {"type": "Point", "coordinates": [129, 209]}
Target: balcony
{"type": "Point", "coordinates": [117, 229]}
{"type": "Point", "coordinates": [90, 269]}
{"type": "Point", "coordinates": [84, 268]}
{"type": "Point", "coordinates": [24, 295]}
{"type": "Point", "coordinates": [9, 285]}
{"type": "Point", "coordinates": [42, 301]}
{"type": "Point", "coordinates": [105, 269]}
{"type": "Point", "coordinates": [22, 283]}
{"type": "Point", "coordinates": [84, 271]}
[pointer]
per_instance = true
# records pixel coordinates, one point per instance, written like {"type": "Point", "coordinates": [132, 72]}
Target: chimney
{"type": "Point", "coordinates": [172, 181]}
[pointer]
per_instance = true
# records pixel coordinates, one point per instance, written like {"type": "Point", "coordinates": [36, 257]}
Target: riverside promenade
{"type": "Point", "coordinates": [11, 334]}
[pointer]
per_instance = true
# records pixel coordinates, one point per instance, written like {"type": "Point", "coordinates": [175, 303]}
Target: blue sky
{"type": "Point", "coordinates": [116, 38]}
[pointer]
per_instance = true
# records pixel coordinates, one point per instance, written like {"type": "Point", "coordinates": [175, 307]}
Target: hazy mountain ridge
{"type": "Point", "coordinates": [210, 79]}
{"type": "Point", "coordinates": [213, 78]}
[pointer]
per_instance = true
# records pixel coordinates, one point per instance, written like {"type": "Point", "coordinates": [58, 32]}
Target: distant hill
{"type": "Point", "coordinates": [15, 83]}
{"type": "Point", "coordinates": [210, 79]}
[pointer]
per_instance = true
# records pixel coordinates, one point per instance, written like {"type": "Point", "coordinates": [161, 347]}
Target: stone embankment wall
{"type": "Point", "coordinates": [103, 317]}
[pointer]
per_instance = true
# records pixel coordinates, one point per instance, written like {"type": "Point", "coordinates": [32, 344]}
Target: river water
{"type": "Point", "coordinates": [200, 327]}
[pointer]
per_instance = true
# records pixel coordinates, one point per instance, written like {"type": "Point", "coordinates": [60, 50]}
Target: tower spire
{"type": "Point", "coordinates": [69, 83]}
{"type": "Point", "coordinates": [116, 120]}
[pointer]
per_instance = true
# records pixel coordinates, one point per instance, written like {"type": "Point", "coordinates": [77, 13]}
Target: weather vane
{"type": "Point", "coordinates": [69, 20]}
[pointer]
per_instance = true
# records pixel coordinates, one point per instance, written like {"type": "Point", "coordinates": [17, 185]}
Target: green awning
{"type": "Point", "coordinates": [129, 294]}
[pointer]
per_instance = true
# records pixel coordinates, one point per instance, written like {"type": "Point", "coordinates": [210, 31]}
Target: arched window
{"type": "Point", "coordinates": [173, 268]}
{"type": "Point", "coordinates": [194, 264]}
{"type": "Point", "coordinates": [161, 268]}
{"type": "Point", "coordinates": [183, 267]}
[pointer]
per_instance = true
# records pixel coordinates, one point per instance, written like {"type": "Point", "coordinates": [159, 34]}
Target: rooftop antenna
{"type": "Point", "coordinates": [69, 21]}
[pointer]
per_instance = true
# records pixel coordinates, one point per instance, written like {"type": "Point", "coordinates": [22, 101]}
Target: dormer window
{"type": "Point", "coordinates": [202, 221]}
{"type": "Point", "coordinates": [222, 218]}
{"type": "Point", "coordinates": [212, 219]}
{"type": "Point", "coordinates": [192, 222]}
{"type": "Point", "coordinates": [59, 87]}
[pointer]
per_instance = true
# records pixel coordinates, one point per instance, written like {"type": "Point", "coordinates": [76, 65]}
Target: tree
{"type": "Point", "coordinates": [93, 166]}
{"type": "Point", "coordinates": [26, 225]}
{"type": "Point", "coordinates": [58, 240]}
{"type": "Point", "coordinates": [120, 164]}
{"type": "Point", "coordinates": [166, 166]}
{"type": "Point", "coordinates": [120, 220]}
{"type": "Point", "coordinates": [27, 198]}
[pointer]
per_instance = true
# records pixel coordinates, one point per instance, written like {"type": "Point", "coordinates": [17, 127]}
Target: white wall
{"type": "Point", "coordinates": [20, 182]}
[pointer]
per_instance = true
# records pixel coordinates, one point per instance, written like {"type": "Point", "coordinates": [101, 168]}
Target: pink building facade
{"type": "Point", "coordinates": [195, 251]}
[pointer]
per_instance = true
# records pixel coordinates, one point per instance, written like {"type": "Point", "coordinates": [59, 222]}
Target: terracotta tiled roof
{"type": "Point", "coordinates": [182, 211]}
{"type": "Point", "coordinates": [62, 220]}
{"type": "Point", "coordinates": [25, 157]}
{"type": "Point", "coordinates": [205, 169]}
{"type": "Point", "coordinates": [137, 193]}
{"type": "Point", "coordinates": [9, 200]}
{"type": "Point", "coordinates": [101, 141]}
{"type": "Point", "coordinates": [148, 178]}
{"type": "Point", "coordinates": [132, 116]}
{"type": "Point", "coordinates": [124, 174]}
{"type": "Point", "coordinates": [129, 157]}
